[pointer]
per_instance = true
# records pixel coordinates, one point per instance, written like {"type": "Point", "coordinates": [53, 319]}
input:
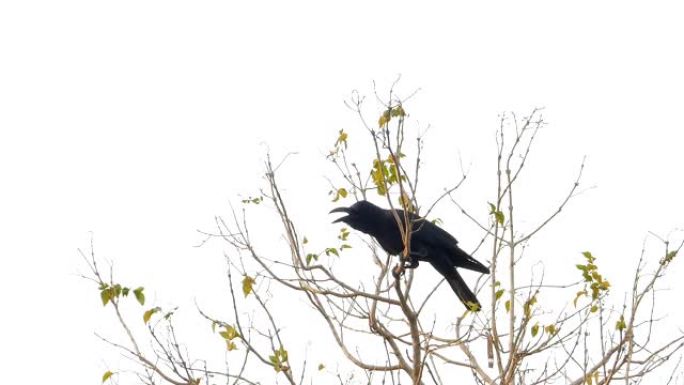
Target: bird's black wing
{"type": "Point", "coordinates": [434, 238]}
{"type": "Point", "coordinates": [437, 235]}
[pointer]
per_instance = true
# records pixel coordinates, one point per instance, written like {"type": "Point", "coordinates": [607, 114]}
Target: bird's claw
{"type": "Point", "coordinates": [398, 271]}
{"type": "Point", "coordinates": [410, 263]}
{"type": "Point", "coordinates": [400, 268]}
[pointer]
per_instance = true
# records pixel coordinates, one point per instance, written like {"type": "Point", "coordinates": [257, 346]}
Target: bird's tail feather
{"type": "Point", "coordinates": [464, 260]}
{"type": "Point", "coordinates": [459, 287]}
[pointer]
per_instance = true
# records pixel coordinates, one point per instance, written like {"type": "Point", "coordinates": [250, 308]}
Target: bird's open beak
{"type": "Point", "coordinates": [340, 210]}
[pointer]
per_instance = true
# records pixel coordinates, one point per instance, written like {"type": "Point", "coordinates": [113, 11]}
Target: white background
{"type": "Point", "coordinates": [140, 121]}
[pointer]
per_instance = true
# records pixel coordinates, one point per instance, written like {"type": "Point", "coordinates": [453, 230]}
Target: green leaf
{"type": "Point", "coordinates": [668, 257]}
{"type": "Point", "coordinates": [139, 295]}
{"type": "Point", "coordinates": [125, 291]}
{"type": "Point", "coordinates": [255, 200]}
{"type": "Point", "coordinates": [105, 296]}
{"type": "Point", "coordinates": [578, 295]}
{"type": "Point", "coordinates": [499, 217]}
{"type": "Point", "coordinates": [278, 358]}
{"type": "Point", "coordinates": [342, 139]}
{"type": "Point", "coordinates": [305, 241]}
{"type": "Point", "coordinates": [344, 234]}
{"type": "Point", "coordinates": [499, 293]}
{"type": "Point", "coordinates": [331, 250]}
{"type": "Point", "coordinates": [321, 367]}
{"type": "Point", "coordinates": [528, 306]}
{"type": "Point", "coordinates": [345, 246]}
{"type": "Point", "coordinates": [311, 256]}
{"type": "Point", "coordinates": [393, 173]}
{"type": "Point", "coordinates": [283, 354]}
{"type": "Point", "coordinates": [230, 332]}
{"type": "Point", "coordinates": [384, 118]}
{"type": "Point", "coordinates": [148, 314]}
{"type": "Point", "coordinates": [550, 329]}
{"type": "Point", "coordinates": [106, 376]}
{"type": "Point", "coordinates": [275, 363]}
{"type": "Point", "coordinates": [535, 330]}
{"type": "Point", "coordinates": [398, 111]}
{"type": "Point", "coordinates": [378, 174]}
{"type": "Point", "coordinates": [213, 326]}
{"type": "Point", "coordinates": [231, 345]}
{"type": "Point", "coordinates": [498, 214]}
{"type": "Point", "coordinates": [116, 290]}
{"type": "Point", "coordinates": [406, 203]}
{"type": "Point", "coordinates": [508, 305]}
{"type": "Point", "coordinates": [247, 285]}
{"type": "Point", "coordinates": [620, 324]}
{"type": "Point", "coordinates": [340, 193]}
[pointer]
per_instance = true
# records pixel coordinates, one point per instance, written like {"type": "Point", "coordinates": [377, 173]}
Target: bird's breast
{"type": "Point", "coordinates": [390, 243]}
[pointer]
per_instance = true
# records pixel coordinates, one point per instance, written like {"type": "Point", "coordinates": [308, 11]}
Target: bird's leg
{"type": "Point", "coordinates": [405, 261]}
{"type": "Point", "coordinates": [412, 261]}
{"type": "Point", "coordinates": [408, 262]}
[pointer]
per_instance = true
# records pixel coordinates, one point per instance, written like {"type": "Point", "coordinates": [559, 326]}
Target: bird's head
{"type": "Point", "coordinates": [361, 216]}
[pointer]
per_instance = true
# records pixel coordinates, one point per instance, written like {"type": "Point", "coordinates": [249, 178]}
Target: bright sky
{"type": "Point", "coordinates": [140, 121]}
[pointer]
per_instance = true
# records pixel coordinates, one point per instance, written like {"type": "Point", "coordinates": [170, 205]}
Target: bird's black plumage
{"type": "Point", "coordinates": [429, 243]}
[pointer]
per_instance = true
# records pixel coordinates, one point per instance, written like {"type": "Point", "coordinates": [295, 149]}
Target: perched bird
{"type": "Point", "coordinates": [429, 243]}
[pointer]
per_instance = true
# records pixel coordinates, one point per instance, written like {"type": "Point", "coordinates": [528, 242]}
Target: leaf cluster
{"type": "Point", "coordinates": [229, 333]}
{"type": "Point", "coordinates": [594, 281]}
{"type": "Point", "coordinates": [393, 112]}
{"type": "Point", "coordinates": [279, 359]}
{"type": "Point", "coordinates": [328, 251]}
{"type": "Point", "coordinates": [115, 291]}
{"type": "Point", "coordinates": [385, 174]}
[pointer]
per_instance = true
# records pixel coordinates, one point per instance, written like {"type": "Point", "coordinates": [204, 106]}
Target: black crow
{"type": "Point", "coordinates": [429, 243]}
